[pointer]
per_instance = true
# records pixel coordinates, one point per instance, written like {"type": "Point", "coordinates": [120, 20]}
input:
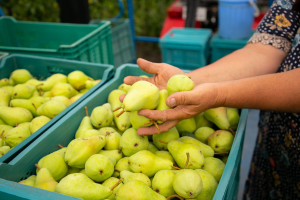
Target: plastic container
{"type": "Point", "coordinates": [236, 18]}
{"type": "Point", "coordinates": [81, 42]}
{"type": "Point", "coordinates": [186, 48]}
{"type": "Point", "coordinates": [43, 67]}
{"type": "Point", "coordinates": [122, 41]}
{"type": "Point", "coordinates": [2, 55]}
{"type": "Point", "coordinates": [22, 165]}
{"type": "Point", "coordinates": [221, 47]}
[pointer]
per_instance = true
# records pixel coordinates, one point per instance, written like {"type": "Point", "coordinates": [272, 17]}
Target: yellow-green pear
{"type": "Point", "coordinates": [34, 82]}
{"type": "Point", "coordinates": [152, 147]}
{"type": "Point", "coordinates": [76, 97]}
{"type": "Point", "coordinates": [91, 83]}
{"type": "Point", "coordinates": [63, 89]}
{"type": "Point", "coordinates": [162, 182]}
{"type": "Point", "coordinates": [2, 122]}
{"type": "Point", "coordinates": [48, 84]}
{"type": "Point", "coordinates": [214, 166]}
{"type": "Point", "coordinates": [148, 163]}
{"type": "Point", "coordinates": [73, 170]}
{"type": "Point", "coordinates": [206, 150]}
{"type": "Point", "coordinates": [233, 117]}
{"type": "Point", "coordinates": [203, 133]}
{"type": "Point", "coordinates": [115, 155]}
{"type": "Point", "coordinates": [38, 122]}
{"type": "Point", "coordinates": [84, 126]}
{"type": "Point", "coordinates": [24, 103]}
{"type": "Point", "coordinates": [218, 116]}
{"type": "Point", "coordinates": [29, 181]}
{"type": "Point", "coordinates": [20, 76]}
{"type": "Point", "coordinates": [221, 141]}
{"type": "Point", "coordinates": [137, 121]}
{"type": "Point", "coordinates": [141, 95]}
{"type": "Point", "coordinates": [124, 87]}
{"type": "Point", "coordinates": [161, 140]}
{"type": "Point", "coordinates": [4, 82]}
{"type": "Point", "coordinates": [209, 185]}
{"type": "Point", "coordinates": [15, 115]}
{"type": "Point", "coordinates": [112, 138]}
{"type": "Point", "coordinates": [201, 121]}
{"type": "Point", "coordinates": [77, 79]}
{"type": "Point", "coordinates": [166, 155]}
{"type": "Point", "coordinates": [129, 176]}
{"type": "Point", "coordinates": [16, 135]}
{"type": "Point", "coordinates": [102, 116]}
{"type": "Point", "coordinates": [131, 142]}
{"type": "Point", "coordinates": [4, 129]}
{"type": "Point", "coordinates": [121, 165]}
{"type": "Point", "coordinates": [51, 108]}
{"type": "Point", "coordinates": [44, 180]}
{"type": "Point", "coordinates": [4, 97]}
{"type": "Point", "coordinates": [80, 149]}
{"type": "Point", "coordinates": [186, 125]}
{"type": "Point", "coordinates": [22, 91]}
{"type": "Point", "coordinates": [137, 190]}
{"type": "Point", "coordinates": [8, 89]}
{"type": "Point", "coordinates": [178, 83]}
{"type": "Point", "coordinates": [4, 150]}
{"type": "Point", "coordinates": [63, 99]}
{"type": "Point", "coordinates": [111, 183]}
{"type": "Point", "coordinates": [163, 95]}
{"type": "Point", "coordinates": [187, 183]}
{"type": "Point", "coordinates": [81, 186]}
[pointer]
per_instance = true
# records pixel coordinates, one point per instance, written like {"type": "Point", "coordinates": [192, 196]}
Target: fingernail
{"type": "Point", "coordinates": [172, 102]}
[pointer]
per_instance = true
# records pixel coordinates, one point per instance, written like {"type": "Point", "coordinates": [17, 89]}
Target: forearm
{"type": "Point", "coordinates": [252, 60]}
{"type": "Point", "coordinates": [279, 91]}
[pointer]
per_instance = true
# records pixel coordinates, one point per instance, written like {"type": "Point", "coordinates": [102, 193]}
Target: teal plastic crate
{"type": "Point", "coordinates": [221, 47]}
{"type": "Point", "coordinates": [43, 67]}
{"type": "Point", "coordinates": [122, 41]}
{"type": "Point", "coordinates": [2, 55]}
{"type": "Point", "coordinates": [186, 48]}
{"type": "Point", "coordinates": [22, 165]}
{"type": "Point", "coordinates": [80, 42]}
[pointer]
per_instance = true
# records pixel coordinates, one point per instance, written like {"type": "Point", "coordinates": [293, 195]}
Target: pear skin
{"type": "Point", "coordinates": [77, 79]}
{"type": "Point", "coordinates": [112, 138]}
{"type": "Point", "coordinates": [4, 97]}
{"type": "Point", "coordinates": [110, 183]}
{"type": "Point", "coordinates": [4, 150]}
{"type": "Point", "coordinates": [29, 181]}
{"type": "Point", "coordinates": [114, 155]}
{"type": "Point", "coordinates": [121, 165]}
{"type": "Point", "coordinates": [16, 135]}
{"type": "Point", "coordinates": [162, 182]}
{"type": "Point", "coordinates": [203, 133]}
{"type": "Point", "coordinates": [161, 140]}
{"type": "Point", "coordinates": [63, 89]}
{"type": "Point", "coordinates": [15, 115]}
{"type": "Point", "coordinates": [22, 91]}
{"type": "Point", "coordinates": [209, 185]}
{"type": "Point", "coordinates": [131, 142]}
{"type": "Point", "coordinates": [221, 141]}
{"type": "Point", "coordinates": [38, 122]}
{"type": "Point", "coordinates": [84, 125]}
{"type": "Point", "coordinates": [52, 80]}
{"type": "Point", "coordinates": [152, 147]}
{"type": "Point", "coordinates": [214, 166]}
{"type": "Point", "coordinates": [44, 180]}
{"type": "Point", "coordinates": [102, 116]}
{"type": "Point", "coordinates": [201, 121]}
{"type": "Point", "coordinates": [124, 87]}
{"type": "Point", "coordinates": [178, 83]}
{"type": "Point", "coordinates": [129, 176]}
{"type": "Point", "coordinates": [137, 121]}
{"type": "Point", "coordinates": [218, 116]}
{"type": "Point", "coordinates": [20, 76]}
{"type": "Point", "coordinates": [51, 108]}
{"type": "Point", "coordinates": [233, 117]}
{"type": "Point", "coordinates": [186, 125]}
{"type": "Point", "coordinates": [166, 155]}
{"type": "Point", "coordinates": [204, 148]}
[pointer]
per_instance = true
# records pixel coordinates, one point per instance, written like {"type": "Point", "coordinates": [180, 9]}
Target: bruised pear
{"type": "Point", "coordinates": [131, 142]}
{"type": "Point", "coordinates": [221, 141]}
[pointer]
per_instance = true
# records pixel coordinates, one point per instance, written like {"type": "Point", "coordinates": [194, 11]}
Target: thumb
{"type": "Point", "coordinates": [179, 98]}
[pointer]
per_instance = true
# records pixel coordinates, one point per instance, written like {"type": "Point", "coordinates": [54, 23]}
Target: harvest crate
{"type": "Point", "coordinates": [2, 55]}
{"type": "Point", "coordinates": [43, 67]}
{"type": "Point", "coordinates": [186, 48]}
{"type": "Point", "coordinates": [90, 43]}
{"type": "Point", "coordinates": [22, 165]}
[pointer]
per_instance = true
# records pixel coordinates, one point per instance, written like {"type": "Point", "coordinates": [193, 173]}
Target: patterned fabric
{"type": "Point", "coordinates": [275, 167]}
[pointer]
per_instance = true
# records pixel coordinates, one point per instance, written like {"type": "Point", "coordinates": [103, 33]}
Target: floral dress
{"type": "Point", "coordinates": [275, 167]}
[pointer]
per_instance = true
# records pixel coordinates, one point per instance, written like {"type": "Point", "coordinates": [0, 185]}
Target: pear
{"type": "Point", "coordinates": [44, 180]}
{"type": "Point", "coordinates": [182, 151]}
{"type": "Point", "coordinates": [77, 79]}
{"type": "Point", "coordinates": [63, 99]}
{"type": "Point", "coordinates": [161, 140]}
{"type": "Point", "coordinates": [99, 167]}
{"type": "Point", "coordinates": [8, 89]}
{"type": "Point", "coordinates": [204, 148]}
{"type": "Point", "coordinates": [48, 84]}
{"type": "Point", "coordinates": [38, 122]}
{"type": "Point", "coordinates": [178, 83]}
{"type": "Point", "coordinates": [4, 129]}
{"type": "Point", "coordinates": [163, 95]}
{"type": "Point", "coordinates": [114, 155]}
{"type": "Point", "coordinates": [102, 116]}
{"type": "Point", "coordinates": [24, 103]}
{"type": "Point", "coordinates": [73, 170]}
{"type": "Point", "coordinates": [29, 181]}
{"type": "Point", "coordinates": [80, 149]}
{"type": "Point", "coordinates": [81, 186]}
{"type": "Point", "coordinates": [4, 97]}
{"type": "Point", "coordinates": [22, 91]}
{"type": "Point", "coordinates": [51, 108]}
{"type": "Point", "coordinates": [233, 117]}
{"type": "Point", "coordinates": [218, 116]}
{"type": "Point", "coordinates": [162, 182]}
{"type": "Point", "coordinates": [131, 142]}
{"type": "Point", "coordinates": [186, 125]}
{"type": "Point", "coordinates": [76, 97]}
{"type": "Point", "coordinates": [209, 185]}
{"type": "Point", "coordinates": [110, 183]}
{"type": "Point", "coordinates": [203, 133]}
{"type": "Point", "coordinates": [214, 166]}
{"type": "Point", "coordinates": [63, 89]}
{"type": "Point", "coordinates": [129, 176]}
{"type": "Point", "coordinates": [14, 116]}
{"type": "Point", "coordinates": [84, 126]}
{"type": "Point", "coordinates": [166, 155]}
{"type": "Point", "coordinates": [4, 150]}
{"type": "Point", "coordinates": [221, 141]}
{"type": "Point", "coordinates": [137, 121]}
{"type": "Point", "coordinates": [34, 82]}
{"type": "Point", "coordinates": [124, 87]}
{"type": "Point", "coordinates": [148, 163]}
{"type": "Point", "coordinates": [20, 76]}
{"type": "Point", "coordinates": [201, 121]}
{"type": "Point", "coordinates": [2, 122]}
{"type": "Point", "coordinates": [121, 165]}
{"type": "Point", "coordinates": [152, 147]}
{"type": "Point", "coordinates": [137, 190]}
{"type": "Point", "coordinates": [187, 183]}
{"type": "Point", "coordinates": [4, 82]}
{"type": "Point", "coordinates": [91, 83]}
{"type": "Point", "coordinates": [16, 135]}
{"type": "Point", "coordinates": [56, 165]}
{"type": "Point", "coordinates": [141, 95]}
{"type": "Point", "coordinates": [112, 138]}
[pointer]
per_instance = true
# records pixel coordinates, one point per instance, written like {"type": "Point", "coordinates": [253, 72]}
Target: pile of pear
{"type": "Point", "coordinates": [27, 104]}
{"type": "Point", "coordinates": [107, 159]}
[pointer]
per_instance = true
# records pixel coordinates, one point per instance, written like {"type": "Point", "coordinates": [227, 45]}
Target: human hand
{"type": "Point", "coordinates": [161, 71]}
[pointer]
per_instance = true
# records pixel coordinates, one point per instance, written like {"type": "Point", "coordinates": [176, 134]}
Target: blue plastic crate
{"type": "Point", "coordinates": [186, 48]}
{"type": "Point", "coordinates": [43, 67]}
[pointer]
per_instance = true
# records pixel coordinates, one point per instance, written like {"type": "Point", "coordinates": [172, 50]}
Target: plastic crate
{"type": "Point", "coordinates": [186, 48]}
{"type": "Point", "coordinates": [2, 55]}
{"type": "Point", "coordinates": [43, 67]}
{"type": "Point", "coordinates": [81, 42]}
{"type": "Point", "coordinates": [22, 165]}
{"type": "Point", "coordinates": [122, 41]}
{"type": "Point", "coordinates": [221, 47]}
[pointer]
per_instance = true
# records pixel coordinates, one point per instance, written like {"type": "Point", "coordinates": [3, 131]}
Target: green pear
{"type": "Point", "coordinates": [16, 135]}
{"type": "Point", "coordinates": [214, 166]}
{"type": "Point", "coordinates": [102, 116]}
{"type": "Point", "coordinates": [137, 121]}
{"type": "Point", "coordinates": [77, 79]}
{"type": "Point", "coordinates": [22, 91]}
{"type": "Point", "coordinates": [183, 152]}
{"type": "Point", "coordinates": [20, 76]}
{"type": "Point", "coordinates": [91, 83]}
{"type": "Point", "coordinates": [73, 170]}
{"type": "Point", "coordinates": [80, 149]}
{"type": "Point", "coordinates": [209, 185]}
{"type": "Point", "coordinates": [129, 176]}
{"type": "Point", "coordinates": [163, 95]}
{"type": "Point", "coordinates": [112, 138]}
{"type": "Point", "coordinates": [8, 89]}
{"type": "Point", "coordinates": [81, 186]}
{"type": "Point", "coordinates": [38, 122]}
{"type": "Point", "coordinates": [47, 94]}
{"type": "Point", "coordinates": [4, 150]}
{"type": "Point", "coordinates": [4, 97]}
{"type": "Point", "coordinates": [29, 181]}
{"type": "Point", "coordinates": [121, 165]}
{"type": "Point", "coordinates": [204, 148]}
{"type": "Point", "coordinates": [124, 87]}
{"type": "Point", "coordinates": [48, 84]}
{"type": "Point", "coordinates": [166, 155]}
{"type": "Point", "coordinates": [141, 95]}
{"type": "Point", "coordinates": [2, 122]}
{"type": "Point", "coordinates": [44, 180]}
{"type": "Point", "coordinates": [15, 115]}
{"type": "Point", "coordinates": [99, 167]}
{"type": "Point", "coordinates": [131, 142]}
{"type": "Point", "coordinates": [178, 83]}
{"type": "Point", "coordinates": [63, 99]}
{"type": "Point", "coordinates": [161, 140]}
{"type": "Point", "coordinates": [162, 182]}
{"type": "Point", "coordinates": [37, 101]}
{"type": "Point", "coordinates": [63, 89]}
{"type": "Point", "coordinates": [152, 147]}
{"type": "Point", "coordinates": [4, 82]}
{"type": "Point", "coordinates": [84, 126]}
{"type": "Point", "coordinates": [4, 129]}
{"type": "Point", "coordinates": [115, 155]}
{"type": "Point", "coordinates": [233, 117]}
{"type": "Point", "coordinates": [187, 183]}
{"type": "Point", "coordinates": [110, 183]}
{"type": "Point", "coordinates": [24, 103]}
{"type": "Point", "coordinates": [51, 108]}
{"type": "Point", "coordinates": [203, 133]}
{"type": "Point", "coordinates": [221, 141]}
{"type": "Point", "coordinates": [137, 190]}
{"type": "Point", "coordinates": [218, 116]}
{"type": "Point", "coordinates": [148, 163]}
{"type": "Point", "coordinates": [76, 97]}
{"type": "Point", "coordinates": [201, 121]}
{"type": "Point", "coordinates": [186, 125]}
{"type": "Point", "coordinates": [34, 82]}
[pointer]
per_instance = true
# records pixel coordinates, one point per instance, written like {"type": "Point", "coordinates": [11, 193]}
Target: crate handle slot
{"type": "Point", "coordinates": [55, 70]}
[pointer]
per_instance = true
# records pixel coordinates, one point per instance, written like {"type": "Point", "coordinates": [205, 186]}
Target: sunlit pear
{"type": "Point", "coordinates": [63, 99]}
{"type": "Point", "coordinates": [23, 91]}
{"type": "Point", "coordinates": [48, 84]}
{"type": "Point", "coordinates": [4, 150]}
{"type": "Point", "coordinates": [63, 89]}
{"type": "Point", "coordinates": [209, 185]}
{"type": "Point", "coordinates": [162, 182]}
{"type": "Point", "coordinates": [221, 141]}
{"type": "Point", "coordinates": [129, 176]}
{"type": "Point", "coordinates": [38, 122]}
{"type": "Point", "coordinates": [111, 183]}
{"type": "Point", "coordinates": [77, 79]}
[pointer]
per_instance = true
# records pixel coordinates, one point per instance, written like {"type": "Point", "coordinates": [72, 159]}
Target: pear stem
{"type": "Point", "coordinates": [176, 167]}
{"type": "Point", "coordinates": [40, 91]}
{"type": "Point", "coordinates": [1, 134]}
{"type": "Point", "coordinates": [232, 131]}
{"type": "Point", "coordinates": [174, 195]}
{"type": "Point", "coordinates": [116, 170]}
{"type": "Point", "coordinates": [162, 142]}
{"type": "Point", "coordinates": [116, 185]}
{"type": "Point", "coordinates": [60, 146]}
{"type": "Point", "coordinates": [187, 160]}
{"type": "Point", "coordinates": [34, 106]}
{"type": "Point", "coordinates": [118, 108]}
{"type": "Point", "coordinates": [36, 165]}
{"type": "Point", "coordinates": [107, 133]}
{"type": "Point", "coordinates": [221, 153]}
{"type": "Point", "coordinates": [120, 149]}
{"type": "Point", "coordinates": [118, 115]}
{"type": "Point", "coordinates": [86, 111]}
{"type": "Point", "coordinates": [155, 124]}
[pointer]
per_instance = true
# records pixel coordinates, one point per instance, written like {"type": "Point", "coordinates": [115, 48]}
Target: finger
{"type": "Point", "coordinates": [121, 97]}
{"type": "Point", "coordinates": [181, 98]}
{"type": "Point", "coordinates": [165, 115]}
{"type": "Point", "coordinates": [147, 66]}
{"type": "Point", "coordinates": [151, 130]}
{"type": "Point", "coordinates": [129, 80]}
